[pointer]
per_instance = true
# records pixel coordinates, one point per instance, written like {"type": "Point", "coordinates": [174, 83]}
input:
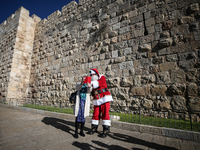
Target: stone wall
{"type": "Point", "coordinates": [8, 31]}
{"type": "Point", "coordinates": [16, 51]}
{"type": "Point", "coordinates": [148, 50]}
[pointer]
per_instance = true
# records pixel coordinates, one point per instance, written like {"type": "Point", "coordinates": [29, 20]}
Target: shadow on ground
{"type": "Point", "coordinates": [63, 125]}
{"type": "Point", "coordinates": [66, 126]}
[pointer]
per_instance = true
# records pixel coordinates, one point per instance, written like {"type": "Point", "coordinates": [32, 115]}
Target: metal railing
{"type": "Point", "coordinates": [172, 118]}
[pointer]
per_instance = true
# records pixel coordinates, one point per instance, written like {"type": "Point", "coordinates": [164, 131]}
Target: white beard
{"type": "Point", "coordinates": [94, 78]}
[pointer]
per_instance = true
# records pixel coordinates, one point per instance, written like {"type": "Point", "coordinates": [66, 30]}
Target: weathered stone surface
{"type": "Point", "coordinates": [140, 91]}
{"type": "Point", "coordinates": [113, 82]}
{"type": "Point", "coordinates": [178, 76]}
{"type": "Point", "coordinates": [165, 42]}
{"type": "Point", "coordinates": [159, 90]}
{"type": "Point", "coordinates": [163, 77]}
{"type": "Point", "coordinates": [165, 34]}
{"type": "Point", "coordinates": [186, 56]}
{"type": "Point", "coordinates": [194, 103]}
{"type": "Point", "coordinates": [150, 129]}
{"type": "Point", "coordinates": [145, 47]}
{"type": "Point", "coordinates": [148, 79]}
{"type": "Point", "coordinates": [193, 8]}
{"type": "Point", "coordinates": [177, 89]}
{"type": "Point", "coordinates": [178, 134]}
{"type": "Point", "coordinates": [167, 25]}
{"type": "Point", "coordinates": [172, 58]}
{"type": "Point", "coordinates": [126, 82]}
{"type": "Point", "coordinates": [192, 75]}
{"type": "Point", "coordinates": [178, 102]}
{"type": "Point", "coordinates": [137, 80]}
{"type": "Point", "coordinates": [146, 62]}
{"type": "Point", "coordinates": [168, 66]}
{"type": "Point", "coordinates": [164, 51]}
{"type": "Point", "coordinates": [165, 104]}
{"type": "Point", "coordinates": [154, 69]}
{"type": "Point", "coordinates": [147, 103]}
{"type": "Point", "coordinates": [192, 89]}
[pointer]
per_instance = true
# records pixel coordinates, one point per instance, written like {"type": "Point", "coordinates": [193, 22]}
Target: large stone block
{"type": "Point", "coordinates": [193, 8]}
{"type": "Point", "coordinates": [174, 133]}
{"type": "Point", "coordinates": [120, 45]}
{"type": "Point", "coordinates": [167, 25]}
{"type": "Point", "coordinates": [113, 82]}
{"type": "Point", "coordinates": [178, 102]}
{"type": "Point", "coordinates": [140, 91]}
{"type": "Point", "coordinates": [194, 103]}
{"type": "Point", "coordinates": [168, 66]}
{"type": "Point", "coordinates": [165, 42]}
{"type": "Point", "coordinates": [165, 104]}
{"type": "Point", "coordinates": [163, 77]}
{"type": "Point", "coordinates": [154, 69]}
{"type": "Point", "coordinates": [178, 76]}
{"type": "Point", "coordinates": [126, 82]}
{"type": "Point", "coordinates": [192, 89]}
{"type": "Point", "coordinates": [146, 62]}
{"type": "Point", "coordinates": [124, 30]}
{"type": "Point", "coordinates": [192, 75]}
{"type": "Point", "coordinates": [150, 22]}
{"type": "Point", "coordinates": [145, 47]}
{"type": "Point", "coordinates": [158, 90]}
{"type": "Point", "coordinates": [147, 103]}
{"type": "Point", "coordinates": [148, 79]}
{"type": "Point", "coordinates": [172, 58]}
{"type": "Point", "coordinates": [186, 56]}
{"type": "Point", "coordinates": [177, 89]}
{"type": "Point", "coordinates": [151, 129]}
{"type": "Point", "coordinates": [146, 39]}
{"type": "Point", "coordinates": [119, 59]}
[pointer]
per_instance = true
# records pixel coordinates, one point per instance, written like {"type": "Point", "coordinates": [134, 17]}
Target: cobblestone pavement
{"type": "Point", "coordinates": [28, 131]}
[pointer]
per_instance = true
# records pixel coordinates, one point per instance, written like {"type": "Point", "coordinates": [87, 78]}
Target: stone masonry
{"type": "Point", "coordinates": [148, 49]}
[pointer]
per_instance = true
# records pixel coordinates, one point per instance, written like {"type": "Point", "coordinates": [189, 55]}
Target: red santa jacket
{"type": "Point", "coordinates": [100, 91]}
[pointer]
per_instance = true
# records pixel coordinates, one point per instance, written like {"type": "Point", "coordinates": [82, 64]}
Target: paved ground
{"type": "Point", "coordinates": [28, 131]}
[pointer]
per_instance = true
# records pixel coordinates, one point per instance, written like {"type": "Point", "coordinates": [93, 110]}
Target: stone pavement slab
{"type": "Point", "coordinates": [24, 130]}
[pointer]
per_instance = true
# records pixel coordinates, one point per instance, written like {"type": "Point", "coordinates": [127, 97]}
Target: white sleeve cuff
{"type": "Point", "coordinates": [95, 84]}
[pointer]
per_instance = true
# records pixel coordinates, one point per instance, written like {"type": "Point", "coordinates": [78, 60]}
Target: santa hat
{"type": "Point", "coordinates": [94, 71]}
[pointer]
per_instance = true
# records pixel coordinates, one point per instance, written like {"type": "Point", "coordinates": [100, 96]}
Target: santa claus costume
{"type": "Point", "coordinates": [101, 102]}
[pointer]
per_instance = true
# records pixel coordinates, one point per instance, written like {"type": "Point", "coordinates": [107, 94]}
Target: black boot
{"type": "Point", "coordinates": [106, 130]}
{"type": "Point", "coordinates": [94, 129]}
{"type": "Point", "coordinates": [76, 129]}
{"type": "Point", "coordinates": [82, 126]}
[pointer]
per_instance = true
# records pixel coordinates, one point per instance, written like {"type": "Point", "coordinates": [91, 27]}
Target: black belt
{"type": "Point", "coordinates": [103, 90]}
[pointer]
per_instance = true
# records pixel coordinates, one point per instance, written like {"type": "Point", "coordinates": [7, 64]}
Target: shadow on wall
{"type": "Point", "coordinates": [65, 126]}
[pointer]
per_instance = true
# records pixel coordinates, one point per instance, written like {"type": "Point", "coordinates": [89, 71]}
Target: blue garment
{"type": "Point", "coordinates": [80, 117]}
{"type": "Point", "coordinates": [83, 93]}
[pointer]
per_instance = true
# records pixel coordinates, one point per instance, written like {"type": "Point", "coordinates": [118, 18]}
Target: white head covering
{"type": "Point", "coordinates": [92, 72]}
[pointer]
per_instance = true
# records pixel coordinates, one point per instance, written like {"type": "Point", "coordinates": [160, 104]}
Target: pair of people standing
{"type": "Point", "coordinates": [101, 103]}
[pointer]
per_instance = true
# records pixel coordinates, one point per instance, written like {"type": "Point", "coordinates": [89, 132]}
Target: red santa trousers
{"type": "Point", "coordinates": [101, 112]}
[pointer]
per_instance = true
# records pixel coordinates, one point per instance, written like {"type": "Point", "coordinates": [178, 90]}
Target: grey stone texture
{"type": "Point", "coordinates": [145, 47]}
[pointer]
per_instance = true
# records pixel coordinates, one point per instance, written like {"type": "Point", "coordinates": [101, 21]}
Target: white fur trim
{"type": "Point", "coordinates": [95, 122]}
{"type": "Point", "coordinates": [87, 103]}
{"type": "Point", "coordinates": [100, 76]}
{"type": "Point", "coordinates": [95, 84]}
{"type": "Point", "coordinates": [106, 122]}
{"type": "Point", "coordinates": [92, 72]}
{"type": "Point", "coordinates": [105, 99]}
